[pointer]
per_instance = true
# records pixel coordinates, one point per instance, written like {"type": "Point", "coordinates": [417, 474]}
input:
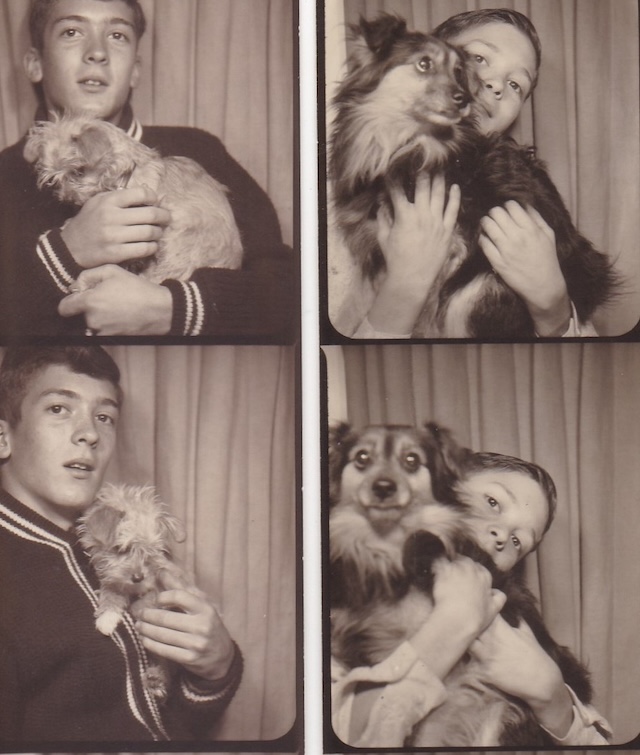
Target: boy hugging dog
{"type": "Point", "coordinates": [60, 266]}
{"type": "Point", "coordinates": [60, 678]}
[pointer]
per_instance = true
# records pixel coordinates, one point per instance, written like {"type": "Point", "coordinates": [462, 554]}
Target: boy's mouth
{"type": "Point", "coordinates": [92, 83]}
{"type": "Point", "coordinates": [80, 466]}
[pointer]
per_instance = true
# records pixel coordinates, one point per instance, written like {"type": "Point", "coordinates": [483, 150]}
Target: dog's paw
{"type": "Point", "coordinates": [155, 682]}
{"type": "Point", "coordinates": [107, 622]}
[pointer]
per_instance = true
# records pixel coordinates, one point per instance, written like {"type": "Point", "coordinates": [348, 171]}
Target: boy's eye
{"type": "Point", "coordinates": [70, 33]}
{"type": "Point", "coordinates": [57, 409]}
{"type": "Point", "coordinates": [492, 502]}
{"type": "Point", "coordinates": [119, 36]}
{"type": "Point", "coordinates": [106, 419]}
{"type": "Point", "coordinates": [516, 542]}
{"type": "Point", "coordinates": [479, 59]}
{"type": "Point", "coordinates": [515, 86]}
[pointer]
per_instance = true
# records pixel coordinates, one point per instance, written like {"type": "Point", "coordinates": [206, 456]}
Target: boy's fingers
{"type": "Point", "coordinates": [453, 206]}
{"type": "Point", "coordinates": [137, 195]}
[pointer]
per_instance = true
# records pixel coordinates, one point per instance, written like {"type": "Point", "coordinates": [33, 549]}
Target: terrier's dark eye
{"type": "Point", "coordinates": [424, 64]}
{"type": "Point", "coordinates": [362, 459]}
{"type": "Point", "coordinates": [412, 462]}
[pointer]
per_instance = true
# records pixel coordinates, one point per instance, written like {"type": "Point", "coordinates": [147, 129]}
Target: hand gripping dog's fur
{"type": "Point", "coordinates": [79, 157]}
{"type": "Point", "coordinates": [405, 106]}
{"type": "Point", "coordinates": [395, 509]}
{"type": "Point", "coordinates": [126, 532]}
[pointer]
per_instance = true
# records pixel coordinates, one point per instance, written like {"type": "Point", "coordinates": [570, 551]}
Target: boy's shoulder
{"type": "Point", "coordinates": [11, 157]}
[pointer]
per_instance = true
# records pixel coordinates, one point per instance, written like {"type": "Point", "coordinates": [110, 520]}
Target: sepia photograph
{"type": "Point", "coordinates": [480, 516]}
{"type": "Point", "coordinates": [147, 169]}
{"type": "Point", "coordinates": [148, 548]}
{"type": "Point", "coordinates": [482, 168]}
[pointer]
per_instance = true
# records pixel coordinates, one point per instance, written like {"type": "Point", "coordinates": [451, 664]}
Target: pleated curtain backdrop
{"type": "Point", "coordinates": [225, 66]}
{"type": "Point", "coordinates": [213, 428]}
{"type": "Point", "coordinates": [584, 118]}
{"type": "Point", "coordinates": [572, 408]}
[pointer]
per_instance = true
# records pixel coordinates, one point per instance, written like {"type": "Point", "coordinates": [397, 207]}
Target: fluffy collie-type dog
{"type": "Point", "coordinates": [394, 510]}
{"type": "Point", "coordinates": [78, 156]}
{"type": "Point", "coordinates": [406, 105]}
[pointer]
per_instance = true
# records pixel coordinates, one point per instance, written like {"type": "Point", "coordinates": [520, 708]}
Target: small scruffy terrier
{"type": "Point", "coordinates": [126, 533]}
{"type": "Point", "coordinates": [79, 156]}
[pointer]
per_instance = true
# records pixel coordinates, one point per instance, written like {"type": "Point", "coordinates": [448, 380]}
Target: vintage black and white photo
{"type": "Point", "coordinates": [439, 225]}
{"type": "Point", "coordinates": [148, 561]}
{"type": "Point", "coordinates": [480, 513]}
{"type": "Point", "coordinates": [181, 221]}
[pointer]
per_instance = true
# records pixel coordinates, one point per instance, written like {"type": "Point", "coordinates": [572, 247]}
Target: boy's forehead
{"type": "Point", "coordinates": [59, 379]}
{"type": "Point", "coordinates": [115, 10]}
{"type": "Point", "coordinates": [501, 36]}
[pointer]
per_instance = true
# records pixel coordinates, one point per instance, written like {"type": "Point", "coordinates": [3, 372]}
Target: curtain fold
{"type": "Point", "coordinates": [573, 409]}
{"type": "Point", "coordinates": [584, 119]}
{"type": "Point", "coordinates": [225, 66]}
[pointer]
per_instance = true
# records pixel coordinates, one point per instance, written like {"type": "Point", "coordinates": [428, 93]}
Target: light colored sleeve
{"type": "Point", "coordinates": [588, 727]}
{"type": "Point", "coordinates": [366, 330]}
{"type": "Point", "coordinates": [409, 692]}
{"type": "Point", "coordinates": [576, 328]}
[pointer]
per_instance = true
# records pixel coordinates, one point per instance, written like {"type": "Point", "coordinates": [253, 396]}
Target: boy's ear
{"type": "Point", "coordinates": [33, 65]}
{"type": "Point", "coordinates": [135, 73]}
{"type": "Point", "coordinates": [5, 439]}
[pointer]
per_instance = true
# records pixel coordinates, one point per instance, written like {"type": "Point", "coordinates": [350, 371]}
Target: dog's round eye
{"type": "Point", "coordinates": [362, 459]}
{"type": "Point", "coordinates": [424, 64]}
{"type": "Point", "coordinates": [412, 462]}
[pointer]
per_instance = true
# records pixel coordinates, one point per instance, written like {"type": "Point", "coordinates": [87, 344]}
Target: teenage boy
{"type": "Point", "coordinates": [512, 503]}
{"type": "Point", "coordinates": [84, 57]}
{"type": "Point", "coordinates": [60, 679]}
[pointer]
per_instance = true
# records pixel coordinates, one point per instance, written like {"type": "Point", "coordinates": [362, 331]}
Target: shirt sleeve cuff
{"type": "Point", "coordinates": [198, 690]}
{"type": "Point", "coordinates": [57, 261]}
{"type": "Point", "coordinates": [187, 318]}
{"type": "Point", "coordinates": [587, 728]}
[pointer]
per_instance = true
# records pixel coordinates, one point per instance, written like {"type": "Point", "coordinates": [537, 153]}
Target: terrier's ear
{"type": "Point", "coordinates": [173, 527]}
{"type": "Point", "coordinates": [5, 439]}
{"type": "Point", "coordinates": [32, 63]}
{"type": "Point", "coordinates": [101, 524]}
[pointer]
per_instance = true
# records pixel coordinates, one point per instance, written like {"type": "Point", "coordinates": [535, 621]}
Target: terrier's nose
{"type": "Point", "coordinates": [137, 577]}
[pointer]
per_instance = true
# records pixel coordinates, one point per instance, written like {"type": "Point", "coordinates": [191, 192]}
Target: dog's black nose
{"type": "Point", "coordinates": [384, 487]}
{"type": "Point", "coordinates": [138, 577]}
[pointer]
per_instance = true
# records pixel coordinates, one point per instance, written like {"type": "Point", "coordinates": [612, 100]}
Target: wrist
{"type": "Point", "coordinates": [443, 640]}
{"type": "Point", "coordinates": [397, 306]}
{"type": "Point", "coordinates": [554, 319]}
{"type": "Point", "coordinates": [554, 711]}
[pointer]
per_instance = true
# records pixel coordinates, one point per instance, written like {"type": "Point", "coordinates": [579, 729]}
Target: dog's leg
{"type": "Point", "coordinates": [109, 612]}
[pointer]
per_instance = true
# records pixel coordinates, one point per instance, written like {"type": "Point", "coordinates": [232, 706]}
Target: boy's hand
{"type": "Point", "coordinates": [521, 248]}
{"type": "Point", "coordinates": [187, 629]}
{"type": "Point", "coordinates": [116, 226]}
{"type": "Point", "coordinates": [117, 302]}
{"type": "Point", "coordinates": [513, 661]}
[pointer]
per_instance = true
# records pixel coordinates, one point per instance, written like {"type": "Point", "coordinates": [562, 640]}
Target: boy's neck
{"type": "Point", "coordinates": [126, 119]}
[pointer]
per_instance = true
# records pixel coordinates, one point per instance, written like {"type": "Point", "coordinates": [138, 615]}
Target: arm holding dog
{"type": "Point", "coordinates": [464, 605]}
{"type": "Point", "coordinates": [414, 243]}
{"type": "Point", "coordinates": [513, 661]}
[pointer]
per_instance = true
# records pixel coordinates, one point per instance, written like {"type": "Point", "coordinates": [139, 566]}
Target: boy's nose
{"type": "Point", "coordinates": [499, 535]}
{"type": "Point", "coordinates": [96, 51]}
{"type": "Point", "coordinates": [86, 433]}
{"type": "Point", "coordinates": [494, 86]}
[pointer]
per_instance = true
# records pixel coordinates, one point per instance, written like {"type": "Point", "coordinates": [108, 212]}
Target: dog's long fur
{"type": "Point", "coordinates": [404, 107]}
{"type": "Point", "coordinates": [127, 533]}
{"type": "Point", "coordinates": [79, 157]}
{"type": "Point", "coordinates": [381, 575]}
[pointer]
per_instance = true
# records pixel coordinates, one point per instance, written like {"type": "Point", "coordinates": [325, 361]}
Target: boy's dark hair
{"type": "Point", "coordinates": [469, 19]}
{"type": "Point", "coordinates": [40, 10]}
{"type": "Point", "coordinates": [21, 363]}
{"type": "Point", "coordinates": [483, 461]}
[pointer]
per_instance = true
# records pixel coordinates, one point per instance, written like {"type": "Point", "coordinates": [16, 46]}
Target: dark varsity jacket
{"type": "Point", "coordinates": [257, 303]}
{"type": "Point", "coordinates": [60, 679]}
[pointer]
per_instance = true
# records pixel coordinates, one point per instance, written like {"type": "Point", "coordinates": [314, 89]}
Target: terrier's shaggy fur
{"type": "Point", "coordinates": [396, 506]}
{"type": "Point", "coordinates": [126, 532]}
{"type": "Point", "coordinates": [79, 157]}
{"type": "Point", "coordinates": [406, 106]}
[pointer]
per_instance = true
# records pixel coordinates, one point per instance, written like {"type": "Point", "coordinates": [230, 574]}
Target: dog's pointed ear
{"type": "Point", "coordinates": [447, 458]}
{"type": "Point", "coordinates": [382, 33]}
{"type": "Point", "coordinates": [98, 526]}
{"type": "Point", "coordinates": [340, 441]}
{"type": "Point", "coordinates": [93, 143]}
{"type": "Point", "coordinates": [36, 139]}
{"type": "Point", "coordinates": [173, 527]}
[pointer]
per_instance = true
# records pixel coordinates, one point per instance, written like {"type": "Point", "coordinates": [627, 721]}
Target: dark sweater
{"type": "Point", "coordinates": [60, 679]}
{"type": "Point", "coordinates": [258, 302]}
